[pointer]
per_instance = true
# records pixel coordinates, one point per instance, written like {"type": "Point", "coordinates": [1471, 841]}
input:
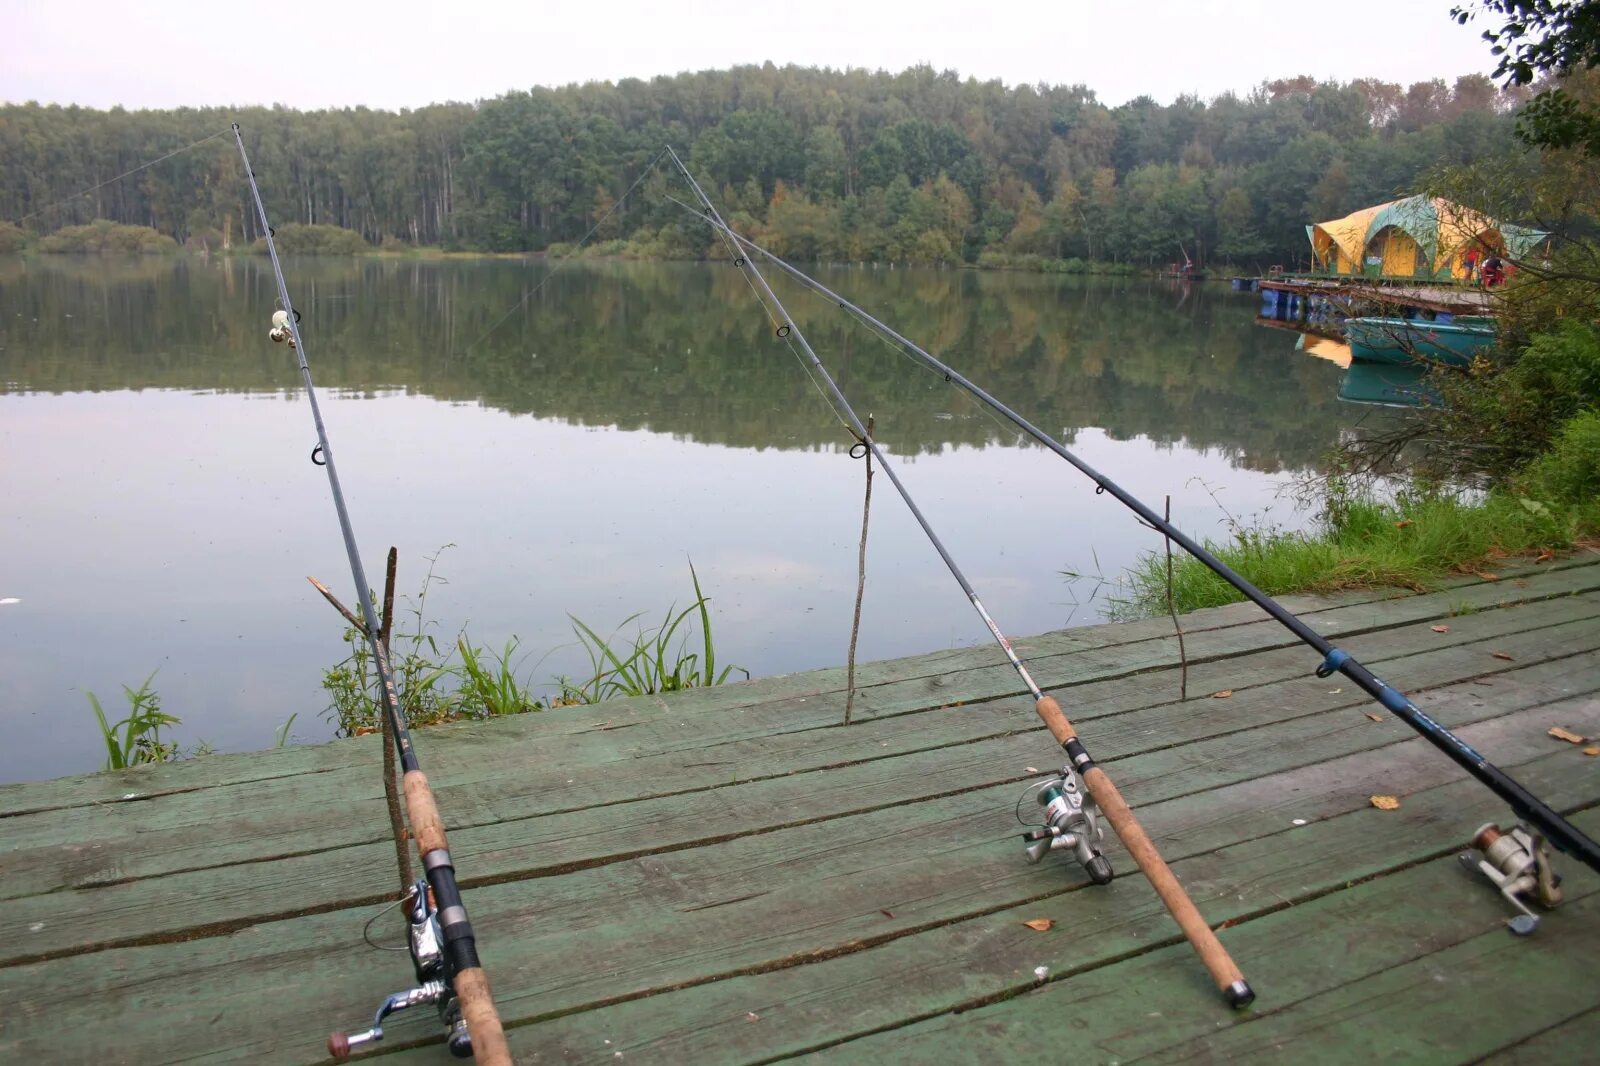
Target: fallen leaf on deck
{"type": "Point", "coordinates": [1504, 655]}
{"type": "Point", "coordinates": [1224, 694]}
{"type": "Point", "coordinates": [1040, 925]}
{"type": "Point", "coordinates": [1385, 803]}
{"type": "Point", "coordinates": [1031, 769]}
{"type": "Point", "coordinates": [1486, 576]}
{"type": "Point", "coordinates": [1544, 557]}
{"type": "Point", "coordinates": [886, 914]}
{"type": "Point", "coordinates": [1375, 717]}
{"type": "Point", "coordinates": [1441, 629]}
{"type": "Point", "coordinates": [365, 730]}
{"type": "Point", "coordinates": [1565, 734]}
{"type": "Point", "coordinates": [1591, 751]}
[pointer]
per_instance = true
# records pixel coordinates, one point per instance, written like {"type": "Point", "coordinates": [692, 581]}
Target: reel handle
{"type": "Point", "coordinates": [1227, 975]}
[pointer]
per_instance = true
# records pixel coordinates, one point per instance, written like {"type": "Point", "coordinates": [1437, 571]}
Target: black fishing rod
{"type": "Point", "coordinates": [1073, 820]}
{"type": "Point", "coordinates": [442, 943]}
{"type": "Point", "coordinates": [1549, 822]}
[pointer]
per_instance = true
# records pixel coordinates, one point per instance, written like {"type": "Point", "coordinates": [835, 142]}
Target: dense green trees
{"type": "Point", "coordinates": [918, 165]}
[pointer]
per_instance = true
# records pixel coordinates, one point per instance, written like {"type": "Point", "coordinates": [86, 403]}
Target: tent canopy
{"type": "Point", "coordinates": [1416, 233]}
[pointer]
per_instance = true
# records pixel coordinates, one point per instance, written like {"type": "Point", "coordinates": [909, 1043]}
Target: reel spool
{"type": "Point", "coordinates": [1518, 864]}
{"type": "Point", "coordinates": [1071, 820]}
{"type": "Point", "coordinates": [424, 941]}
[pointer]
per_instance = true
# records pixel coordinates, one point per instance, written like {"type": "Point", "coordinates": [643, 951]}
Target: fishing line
{"type": "Point", "coordinates": [562, 263]}
{"type": "Point", "coordinates": [1550, 823]}
{"type": "Point", "coordinates": [124, 174]}
{"type": "Point", "coordinates": [447, 964]}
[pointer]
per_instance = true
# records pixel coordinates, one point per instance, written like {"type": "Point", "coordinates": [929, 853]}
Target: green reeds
{"type": "Point", "coordinates": [652, 660]}
{"type": "Point", "coordinates": [137, 738]}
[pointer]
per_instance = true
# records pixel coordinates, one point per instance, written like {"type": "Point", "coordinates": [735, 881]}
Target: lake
{"type": "Point", "coordinates": [577, 444]}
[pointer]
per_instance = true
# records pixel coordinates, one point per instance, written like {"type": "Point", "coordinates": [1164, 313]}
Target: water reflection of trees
{"type": "Point", "coordinates": [684, 349]}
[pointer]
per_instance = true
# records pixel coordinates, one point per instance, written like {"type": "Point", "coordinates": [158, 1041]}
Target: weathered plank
{"type": "Point", "coordinates": [229, 896]}
{"type": "Point", "coordinates": [596, 936]}
{"type": "Point", "coordinates": [342, 808]}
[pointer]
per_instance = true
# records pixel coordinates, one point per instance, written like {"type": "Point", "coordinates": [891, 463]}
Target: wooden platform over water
{"type": "Point", "coordinates": [1359, 292]}
{"type": "Point", "coordinates": [730, 876]}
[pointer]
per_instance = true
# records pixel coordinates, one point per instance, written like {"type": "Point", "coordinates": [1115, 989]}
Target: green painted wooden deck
{"type": "Point", "coordinates": [730, 876]}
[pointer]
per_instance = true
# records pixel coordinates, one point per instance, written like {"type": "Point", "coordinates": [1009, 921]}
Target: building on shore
{"type": "Point", "coordinates": [1419, 238]}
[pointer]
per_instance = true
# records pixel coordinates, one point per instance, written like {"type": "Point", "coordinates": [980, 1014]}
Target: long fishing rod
{"type": "Point", "coordinates": [443, 946]}
{"type": "Point", "coordinates": [1073, 820]}
{"type": "Point", "coordinates": [1549, 822]}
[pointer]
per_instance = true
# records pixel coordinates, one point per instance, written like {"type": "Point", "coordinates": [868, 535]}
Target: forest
{"type": "Point", "coordinates": [854, 165]}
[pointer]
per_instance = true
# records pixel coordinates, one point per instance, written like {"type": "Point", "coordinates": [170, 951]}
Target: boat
{"type": "Point", "coordinates": [1408, 341]}
{"type": "Point", "coordinates": [1387, 385]}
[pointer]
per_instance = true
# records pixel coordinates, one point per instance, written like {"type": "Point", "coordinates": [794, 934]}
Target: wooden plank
{"type": "Point", "coordinates": [1569, 1040]}
{"type": "Point", "coordinates": [1357, 975]}
{"type": "Point", "coordinates": [574, 773]}
{"type": "Point", "coordinates": [229, 896]}
{"type": "Point", "coordinates": [596, 936]}
{"type": "Point", "coordinates": [143, 783]}
{"type": "Point", "coordinates": [962, 965]}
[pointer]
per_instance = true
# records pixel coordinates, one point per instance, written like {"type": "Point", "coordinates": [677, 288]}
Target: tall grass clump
{"type": "Point", "coordinates": [653, 660]}
{"type": "Point", "coordinates": [137, 739]}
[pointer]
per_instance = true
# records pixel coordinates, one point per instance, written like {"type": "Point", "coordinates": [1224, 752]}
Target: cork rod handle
{"type": "Point", "coordinates": [1229, 979]}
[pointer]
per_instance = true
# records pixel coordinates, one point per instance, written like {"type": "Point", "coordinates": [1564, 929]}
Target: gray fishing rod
{"type": "Point", "coordinates": [1549, 822]}
{"type": "Point", "coordinates": [449, 968]}
{"type": "Point", "coordinates": [1073, 820]}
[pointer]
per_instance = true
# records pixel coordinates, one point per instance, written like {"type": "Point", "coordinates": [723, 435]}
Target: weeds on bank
{"type": "Point", "coordinates": [1413, 542]}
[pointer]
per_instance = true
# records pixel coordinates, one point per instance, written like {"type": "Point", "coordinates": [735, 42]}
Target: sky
{"type": "Point", "coordinates": [399, 53]}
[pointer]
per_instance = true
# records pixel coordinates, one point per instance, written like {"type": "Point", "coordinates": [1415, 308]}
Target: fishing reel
{"type": "Point", "coordinates": [433, 984]}
{"type": "Point", "coordinates": [1071, 820]}
{"type": "Point", "coordinates": [1519, 865]}
{"type": "Point", "coordinates": [280, 330]}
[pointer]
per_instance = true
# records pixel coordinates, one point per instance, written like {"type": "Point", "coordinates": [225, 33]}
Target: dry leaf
{"type": "Point", "coordinates": [1591, 750]}
{"type": "Point", "coordinates": [1503, 655]}
{"type": "Point", "coordinates": [1040, 925]}
{"type": "Point", "coordinates": [1545, 556]}
{"type": "Point", "coordinates": [886, 914]}
{"type": "Point", "coordinates": [365, 730]}
{"type": "Point", "coordinates": [1385, 803]}
{"type": "Point", "coordinates": [1485, 576]}
{"type": "Point", "coordinates": [1375, 717]}
{"type": "Point", "coordinates": [1565, 734]}
{"type": "Point", "coordinates": [1224, 694]}
{"type": "Point", "coordinates": [1403, 523]}
{"type": "Point", "coordinates": [1441, 629]}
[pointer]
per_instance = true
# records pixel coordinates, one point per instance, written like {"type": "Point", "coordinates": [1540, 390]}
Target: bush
{"type": "Point", "coordinates": [300, 239]}
{"type": "Point", "coordinates": [1498, 419]}
{"type": "Point", "coordinates": [1569, 473]}
{"type": "Point", "coordinates": [103, 236]}
{"type": "Point", "coordinates": [12, 238]}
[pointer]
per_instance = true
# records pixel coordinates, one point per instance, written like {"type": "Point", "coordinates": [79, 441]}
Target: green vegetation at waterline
{"type": "Point", "coordinates": [136, 738]}
{"type": "Point", "coordinates": [102, 237]}
{"type": "Point", "coordinates": [1412, 542]}
{"type": "Point", "coordinates": [919, 165]}
{"type": "Point", "coordinates": [459, 680]}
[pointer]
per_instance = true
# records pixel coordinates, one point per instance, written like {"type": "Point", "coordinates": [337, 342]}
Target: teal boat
{"type": "Point", "coordinates": [1407, 341]}
{"type": "Point", "coordinates": [1387, 385]}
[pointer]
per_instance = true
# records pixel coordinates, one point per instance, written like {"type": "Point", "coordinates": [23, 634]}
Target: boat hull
{"type": "Point", "coordinates": [1405, 342]}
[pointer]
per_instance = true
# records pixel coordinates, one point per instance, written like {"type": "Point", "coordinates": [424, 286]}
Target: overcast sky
{"type": "Point", "coordinates": [400, 53]}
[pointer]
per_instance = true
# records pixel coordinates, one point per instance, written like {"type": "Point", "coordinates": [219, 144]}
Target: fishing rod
{"type": "Point", "coordinates": [1073, 819]}
{"type": "Point", "coordinates": [442, 944]}
{"type": "Point", "coordinates": [1548, 822]}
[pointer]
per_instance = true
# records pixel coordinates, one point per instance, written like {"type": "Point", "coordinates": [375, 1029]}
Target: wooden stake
{"type": "Point", "coordinates": [1172, 609]}
{"type": "Point", "coordinates": [861, 588]}
{"type": "Point", "coordinates": [391, 791]}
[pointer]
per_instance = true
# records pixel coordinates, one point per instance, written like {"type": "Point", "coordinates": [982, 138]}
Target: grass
{"type": "Point", "coordinates": [137, 738]}
{"type": "Point", "coordinates": [1411, 542]}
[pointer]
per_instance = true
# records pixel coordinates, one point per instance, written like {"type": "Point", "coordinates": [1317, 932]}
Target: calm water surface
{"type": "Point", "coordinates": [161, 512]}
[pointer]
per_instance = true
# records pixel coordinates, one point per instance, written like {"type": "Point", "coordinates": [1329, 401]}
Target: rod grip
{"type": "Point", "coordinates": [1230, 980]}
{"type": "Point", "coordinates": [489, 1047]}
{"type": "Point", "coordinates": [423, 814]}
{"type": "Point", "coordinates": [1054, 717]}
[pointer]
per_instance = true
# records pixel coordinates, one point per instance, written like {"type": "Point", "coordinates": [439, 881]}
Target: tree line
{"type": "Point", "coordinates": [918, 165]}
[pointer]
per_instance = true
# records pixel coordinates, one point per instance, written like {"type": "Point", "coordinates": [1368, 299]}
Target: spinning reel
{"type": "Point", "coordinates": [1519, 865]}
{"type": "Point", "coordinates": [280, 330]}
{"type": "Point", "coordinates": [1071, 820]}
{"type": "Point", "coordinates": [433, 984]}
